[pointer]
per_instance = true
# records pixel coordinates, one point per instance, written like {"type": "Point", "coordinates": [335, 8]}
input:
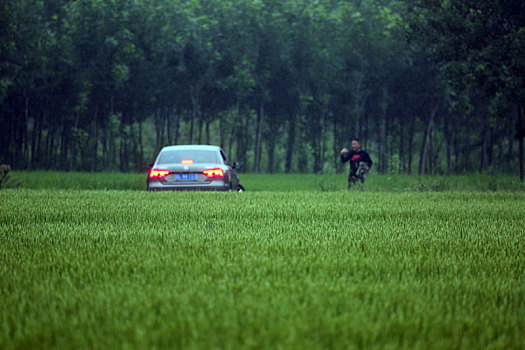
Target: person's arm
{"type": "Point", "coordinates": [368, 160]}
{"type": "Point", "coordinates": [345, 155]}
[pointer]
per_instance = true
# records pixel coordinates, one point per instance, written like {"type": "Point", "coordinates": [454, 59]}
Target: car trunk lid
{"type": "Point", "coordinates": [186, 173]}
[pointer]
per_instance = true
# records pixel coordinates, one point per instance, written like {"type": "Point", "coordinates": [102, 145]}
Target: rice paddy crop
{"type": "Point", "coordinates": [291, 270]}
{"type": "Point", "coordinates": [281, 182]}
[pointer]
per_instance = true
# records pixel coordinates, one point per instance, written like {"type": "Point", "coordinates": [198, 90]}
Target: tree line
{"type": "Point", "coordinates": [430, 87]}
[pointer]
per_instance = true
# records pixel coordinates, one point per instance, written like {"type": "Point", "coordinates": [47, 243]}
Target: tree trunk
{"type": "Point", "coordinates": [221, 132]}
{"type": "Point", "coordinates": [271, 153]}
{"type": "Point", "coordinates": [387, 138]}
{"type": "Point", "coordinates": [38, 150]}
{"type": "Point", "coordinates": [158, 126]}
{"type": "Point", "coordinates": [437, 152]}
{"type": "Point", "coordinates": [123, 152]}
{"type": "Point", "coordinates": [520, 147]}
{"type": "Point", "coordinates": [323, 144]}
{"type": "Point", "coordinates": [510, 150]}
{"type": "Point", "coordinates": [290, 142]}
{"type": "Point", "coordinates": [25, 143]}
{"type": "Point", "coordinates": [121, 155]}
{"type": "Point", "coordinates": [456, 153]}
{"type": "Point", "coordinates": [134, 147]}
{"type": "Point", "coordinates": [207, 132]}
{"type": "Point", "coordinates": [14, 146]}
{"type": "Point", "coordinates": [12, 139]}
{"type": "Point", "coordinates": [521, 135]}
{"type": "Point", "coordinates": [337, 165]}
{"type": "Point", "coordinates": [241, 136]}
{"type": "Point", "coordinates": [141, 145]}
{"type": "Point", "coordinates": [194, 112]}
{"type": "Point", "coordinates": [384, 142]}
{"type": "Point", "coordinates": [64, 146]}
{"type": "Point", "coordinates": [316, 141]}
{"type": "Point", "coordinates": [302, 157]}
{"type": "Point", "coordinates": [401, 152]}
{"type": "Point", "coordinates": [162, 132]}
{"type": "Point", "coordinates": [424, 144]}
{"type": "Point", "coordinates": [234, 131]}
{"type": "Point", "coordinates": [168, 125]}
{"type": "Point", "coordinates": [95, 140]}
{"type": "Point", "coordinates": [199, 132]}
{"type": "Point", "coordinates": [112, 147]}
{"type": "Point", "coordinates": [245, 122]}
{"type": "Point", "coordinates": [192, 123]}
{"type": "Point", "coordinates": [177, 126]}
{"type": "Point", "coordinates": [231, 138]}
{"type": "Point", "coordinates": [484, 137]}
{"type": "Point", "coordinates": [380, 144]}
{"type": "Point", "coordinates": [467, 148]}
{"type": "Point", "coordinates": [449, 159]}
{"type": "Point", "coordinates": [411, 132]}
{"type": "Point", "coordinates": [36, 127]}
{"type": "Point", "coordinates": [359, 104]}
{"type": "Point", "coordinates": [258, 138]}
{"type": "Point", "coordinates": [448, 140]}
{"type": "Point", "coordinates": [51, 146]}
{"type": "Point", "coordinates": [366, 131]}
{"type": "Point", "coordinates": [430, 153]}
{"type": "Point", "coordinates": [490, 148]}
{"type": "Point", "coordinates": [74, 147]}
{"type": "Point", "coordinates": [106, 155]}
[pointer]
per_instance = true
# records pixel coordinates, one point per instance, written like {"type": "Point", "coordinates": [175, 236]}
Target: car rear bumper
{"type": "Point", "coordinates": [212, 186]}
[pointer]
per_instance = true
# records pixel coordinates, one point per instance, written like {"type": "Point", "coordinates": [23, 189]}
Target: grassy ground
{"type": "Point", "coordinates": [281, 182]}
{"type": "Point", "coordinates": [291, 270]}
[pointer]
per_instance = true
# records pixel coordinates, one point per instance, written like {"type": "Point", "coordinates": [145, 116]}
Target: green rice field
{"type": "Point", "coordinates": [296, 262]}
{"type": "Point", "coordinates": [281, 182]}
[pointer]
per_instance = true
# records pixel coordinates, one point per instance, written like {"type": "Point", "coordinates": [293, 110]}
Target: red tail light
{"type": "Point", "coordinates": [158, 173]}
{"type": "Point", "coordinates": [212, 173]}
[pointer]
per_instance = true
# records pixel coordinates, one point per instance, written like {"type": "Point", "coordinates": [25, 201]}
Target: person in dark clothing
{"type": "Point", "coordinates": [360, 162]}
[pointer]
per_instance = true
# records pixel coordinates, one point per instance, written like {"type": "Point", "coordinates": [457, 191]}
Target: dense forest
{"type": "Point", "coordinates": [430, 87]}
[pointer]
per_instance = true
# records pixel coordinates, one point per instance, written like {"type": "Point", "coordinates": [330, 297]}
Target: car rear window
{"type": "Point", "coordinates": [197, 156]}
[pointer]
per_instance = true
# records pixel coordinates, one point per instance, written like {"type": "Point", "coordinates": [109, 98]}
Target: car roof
{"type": "Point", "coordinates": [191, 147]}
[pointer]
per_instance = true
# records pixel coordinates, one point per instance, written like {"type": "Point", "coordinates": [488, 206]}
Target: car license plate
{"type": "Point", "coordinates": [185, 177]}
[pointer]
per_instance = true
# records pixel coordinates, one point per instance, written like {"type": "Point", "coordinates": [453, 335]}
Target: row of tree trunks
{"type": "Point", "coordinates": [56, 145]}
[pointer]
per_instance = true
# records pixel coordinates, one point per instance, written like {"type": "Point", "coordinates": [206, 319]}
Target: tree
{"type": "Point", "coordinates": [478, 43]}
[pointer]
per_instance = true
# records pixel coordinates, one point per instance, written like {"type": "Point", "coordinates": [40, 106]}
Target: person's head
{"type": "Point", "coordinates": [356, 145]}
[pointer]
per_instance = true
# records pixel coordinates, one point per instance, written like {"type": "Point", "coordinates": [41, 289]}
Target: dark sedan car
{"type": "Point", "coordinates": [193, 167]}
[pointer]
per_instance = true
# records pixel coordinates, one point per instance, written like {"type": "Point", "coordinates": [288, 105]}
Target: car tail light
{"type": "Point", "coordinates": [187, 161]}
{"type": "Point", "coordinates": [158, 173]}
{"type": "Point", "coordinates": [213, 173]}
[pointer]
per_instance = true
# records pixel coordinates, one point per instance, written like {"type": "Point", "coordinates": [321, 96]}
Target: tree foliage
{"type": "Point", "coordinates": [281, 85]}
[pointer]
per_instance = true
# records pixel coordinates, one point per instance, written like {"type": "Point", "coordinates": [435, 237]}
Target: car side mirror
{"type": "Point", "coordinates": [237, 165]}
{"type": "Point", "coordinates": [150, 165]}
